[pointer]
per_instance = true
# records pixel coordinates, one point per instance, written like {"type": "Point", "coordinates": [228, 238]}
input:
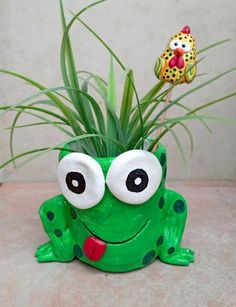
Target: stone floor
{"type": "Point", "coordinates": [210, 281]}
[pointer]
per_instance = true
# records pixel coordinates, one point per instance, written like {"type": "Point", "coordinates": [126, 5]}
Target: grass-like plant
{"type": "Point", "coordinates": [73, 110]}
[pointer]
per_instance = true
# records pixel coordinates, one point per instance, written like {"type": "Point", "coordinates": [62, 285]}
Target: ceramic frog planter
{"type": "Point", "coordinates": [115, 213]}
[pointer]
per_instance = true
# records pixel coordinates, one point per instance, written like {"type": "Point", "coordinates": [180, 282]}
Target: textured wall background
{"type": "Point", "coordinates": [137, 30]}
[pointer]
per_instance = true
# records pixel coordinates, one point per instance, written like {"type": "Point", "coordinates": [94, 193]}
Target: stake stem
{"type": "Point", "coordinates": [163, 116]}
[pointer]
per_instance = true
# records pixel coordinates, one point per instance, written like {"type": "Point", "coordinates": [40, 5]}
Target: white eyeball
{"type": "Point", "coordinates": [134, 176]}
{"type": "Point", "coordinates": [186, 47]}
{"type": "Point", "coordinates": [81, 180]}
{"type": "Point", "coordinates": [175, 43]}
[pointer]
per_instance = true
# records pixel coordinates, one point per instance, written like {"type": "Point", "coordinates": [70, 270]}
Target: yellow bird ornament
{"type": "Point", "coordinates": [177, 64]}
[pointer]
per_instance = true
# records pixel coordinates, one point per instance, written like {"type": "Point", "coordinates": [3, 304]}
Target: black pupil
{"type": "Point", "coordinates": [183, 45]}
{"type": "Point", "coordinates": [137, 180]}
{"type": "Point", "coordinates": [75, 182]}
{"type": "Point", "coordinates": [176, 44]}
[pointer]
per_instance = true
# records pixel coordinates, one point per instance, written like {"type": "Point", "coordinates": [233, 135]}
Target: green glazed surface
{"type": "Point", "coordinates": [134, 235]}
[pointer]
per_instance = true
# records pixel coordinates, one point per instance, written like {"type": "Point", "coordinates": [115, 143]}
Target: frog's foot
{"type": "Point", "coordinates": [171, 251]}
{"type": "Point", "coordinates": [182, 256]}
{"type": "Point", "coordinates": [45, 253]}
{"type": "Point", "coordinates": [54, 214]}
{"type": "Point", "coordinates": [42, 248]}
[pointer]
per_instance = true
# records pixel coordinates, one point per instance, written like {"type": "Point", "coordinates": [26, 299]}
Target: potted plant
{"type": "Point", "coordinates": [114, 212]}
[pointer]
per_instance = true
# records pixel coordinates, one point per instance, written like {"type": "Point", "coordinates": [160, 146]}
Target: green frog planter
{"type": "Point", "coordinates": [114, 213]}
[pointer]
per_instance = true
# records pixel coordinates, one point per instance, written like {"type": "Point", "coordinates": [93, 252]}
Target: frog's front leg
{"type": "Point", "coordinates": [54, 215]}
{"type": "Point", "coordinates": [171, 251]}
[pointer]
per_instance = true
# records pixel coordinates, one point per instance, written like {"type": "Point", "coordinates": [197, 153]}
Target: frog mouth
{"type": "Point", "coordinates": [119, 242]}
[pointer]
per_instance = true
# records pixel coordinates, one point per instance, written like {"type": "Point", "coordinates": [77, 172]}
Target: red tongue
{"type": "Point", "coordinates": [94, 248]}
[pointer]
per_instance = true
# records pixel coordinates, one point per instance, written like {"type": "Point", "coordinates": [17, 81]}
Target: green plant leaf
{"type": "Point", "coordinates": [89, 113]}
{"type": "Point", "coordinates": [127, 100]}
{"type": "Point", "coordinates": [73, 123]}
{"type": "Point", "coordinates": [40, 151]}
{"type": "Point", "coordinates": [101, 41]}
{"type": "Point", "coordinates": [70, 78]}
{"type": "Point", "coordinates": [69, 74]}
{"type": "Point", "coordinates": [53, 123]}
{"type": "Point", "coordinates": [152, 96]}
{"type": "Point", "coordinates": [144, 104]}
{"type": "Point", "coordinates": [123, 67]}
{"type": "Point", "coordinates": [35, 124]}
{"type": "Point", "coordinates": [190, 137]}
{"type": "Point", "coordinates": [16, 119]}
{"type": "Point", "coordinates": [22, 110]}
{"type": "Point", "coordinates": [195, 113]}
{"type": "Point", "coordinates": [51, 103]}
{"type": "Point", "coordinates": [111, 89]}
{"type": "Point", "coordinates": [214, 45]}
{"type": "Point", "coordinates": [69, 115]}
{"type": "Point", "coordinates": [100, 119]}
{"type": "Point", "coordinates": [176, 120]}
{"type": "Point", "coordinates": [179, 146]}
{"type": "Point", "coordinates": [153, 92]}
{"type": "Point", "coordinates": [146, 101]}
{"type": "Point", "coordinates": [134, 131]}
{"type": "Point", "coordinates": [99, 145]}
{"type": "Point", "coordinates": [12, 107]}
{"type": "Point", "coordinates": [43, 91]}
{"type": "Point", "coordinates": [186, 94]}
{"type": "Point", "coordinates": [111, 98]}
{"type": "Point", "coordinates": [68, 69]}
{"type": "Point", "coordinates": [95, 88]}
{"type": "Point", "coordinates": [208, 104]}
{"type": "Point", "coordinates": [101, 84]}
{"type": "Point", "coordinates": [163, 96]}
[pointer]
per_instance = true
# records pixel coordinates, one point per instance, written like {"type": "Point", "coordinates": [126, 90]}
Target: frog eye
{"type": "Point", "coordinates": [186, 46]}
{"type": "Point", "coordinates": [175, 43]}
{"type": "Point", "coordinates": [134, 176]}
{"type": "Point", "coordinates": [81, 180]}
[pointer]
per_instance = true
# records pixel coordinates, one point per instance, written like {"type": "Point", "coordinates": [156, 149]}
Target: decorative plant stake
{"type": "Point", "coordinates": [114, 212]}
{"type": "Point", "coordinates": [177, 63]}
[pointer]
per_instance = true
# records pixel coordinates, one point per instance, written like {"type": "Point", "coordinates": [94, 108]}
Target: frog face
{"type": "Point", "coordinates": [116, 199]}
